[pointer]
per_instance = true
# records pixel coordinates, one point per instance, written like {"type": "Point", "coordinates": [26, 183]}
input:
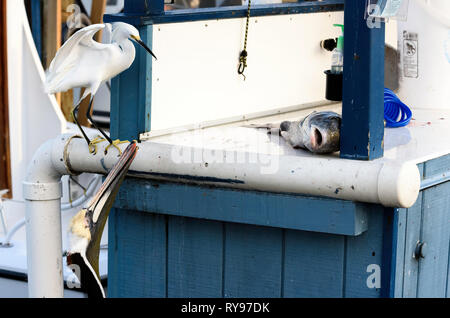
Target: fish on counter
{"type": "Point", "coordinates": [319, 132]}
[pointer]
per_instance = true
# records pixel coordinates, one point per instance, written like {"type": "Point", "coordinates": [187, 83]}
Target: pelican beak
{"type": "Point", "coordinates": [89, 223]}
{"type": "Point", "coordinates": [141, 43]}
{"type": "Point", "coordinates": [102, 203]}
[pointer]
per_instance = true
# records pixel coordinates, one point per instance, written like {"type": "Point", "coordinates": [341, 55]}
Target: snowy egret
{"type": "Point", "coordinates": [84, 62]}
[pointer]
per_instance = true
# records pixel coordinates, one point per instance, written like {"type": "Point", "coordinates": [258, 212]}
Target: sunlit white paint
{"type": "Point", "coordinates": [195, 78]}
{"type": "Point", "coordinates": [34, 116]}
{"type": "Point", "coordinates": [430, 19]}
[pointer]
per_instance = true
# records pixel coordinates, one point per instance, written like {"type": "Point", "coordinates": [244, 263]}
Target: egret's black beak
{"type": "Point", "coordinates": [93, 219]}
{"type": "Point", "coordinates": [141, 43]}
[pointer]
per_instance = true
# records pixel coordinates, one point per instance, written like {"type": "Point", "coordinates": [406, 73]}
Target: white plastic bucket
{"type": "Point", "coordinates": [424, 47]}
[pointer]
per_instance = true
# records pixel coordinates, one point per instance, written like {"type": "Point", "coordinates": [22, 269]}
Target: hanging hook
{"type": "Point", "coordinates": [242, 63]}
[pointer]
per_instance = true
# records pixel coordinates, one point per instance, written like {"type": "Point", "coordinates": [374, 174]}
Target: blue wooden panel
{"type": "Point", "coordinates": [152, 255]}
{"type": "Point", "coordinates": [195, 258]}
{"type": "Point", "coordinates": [36, 25]}
{"type": "Point", "coordinates": [136, 254]}
{"type": "Point", "coordinates": [408, 235]}
{"type": "Point", "coordinates": [413, 223]}
{"type": "Point", "coordinates": [252, 261]}
{"type": "Point", "coordinates": [144, 7]}
{"type": "Point", "coordinates": [433, 269]}
{"type": "Point", "coordinates": [313, 264]}
{"type": "Point", "coordinates": [390, 228]}
{"type": "Point", "coordinates": [362, 128]}
{"type": "Point", "coordinates": [131, 94]}
{"type": "Point", "coordinates": [399, 269]}
{"type": "Point", "coordinates": [250, 207]}
{"type": "Point", "coordinates": [229, 12]}
{"type": "Point", "coordinates": [408, 232]}
{"type": "Point", "coordinates": [437, 166]}
{"type": "Point", "coordinates": [362, 251]}
{"type": "Point", "coordinates": [448, 276]}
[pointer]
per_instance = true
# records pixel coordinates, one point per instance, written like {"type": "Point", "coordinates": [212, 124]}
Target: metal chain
{"type": "Point", "coordinates": [243, 55]}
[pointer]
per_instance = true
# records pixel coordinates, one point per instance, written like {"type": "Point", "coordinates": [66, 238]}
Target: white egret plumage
{"type": "Point", "coordinates": [84, 62]}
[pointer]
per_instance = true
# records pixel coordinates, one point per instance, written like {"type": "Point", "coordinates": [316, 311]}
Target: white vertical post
{"type": "Point", "coordinates": [44, 249]}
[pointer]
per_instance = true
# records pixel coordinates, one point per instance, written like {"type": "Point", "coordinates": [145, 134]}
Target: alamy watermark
{"type": "Point", "coordinates": [374, 279]}
{"type": "Point", "coordinates": [257, 149]}
{"type": "Point", "coordinates": [74, 20]}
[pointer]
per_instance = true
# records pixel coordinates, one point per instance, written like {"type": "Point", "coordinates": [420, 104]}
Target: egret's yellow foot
{"type": "Point", "coordinates": [93, 144]}
{"type": "Point", "coordinates": [115, 144]}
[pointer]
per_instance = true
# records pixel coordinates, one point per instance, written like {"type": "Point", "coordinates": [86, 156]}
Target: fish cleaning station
{"type": "Point", "coordinates": [220, 199]}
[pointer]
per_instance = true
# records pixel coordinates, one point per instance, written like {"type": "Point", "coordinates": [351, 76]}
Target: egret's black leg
{"type": "Point", "coordinates": [88, 115]}
{"type": "Point", "coordinates": [74, 116]}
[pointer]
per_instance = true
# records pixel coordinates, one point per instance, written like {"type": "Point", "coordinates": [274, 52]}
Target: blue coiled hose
{"type": "Point", "coordinates": [396, 113]}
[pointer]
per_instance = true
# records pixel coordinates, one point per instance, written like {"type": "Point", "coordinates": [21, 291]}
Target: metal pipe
{"type": "Point", "coordinates": [390, 183]}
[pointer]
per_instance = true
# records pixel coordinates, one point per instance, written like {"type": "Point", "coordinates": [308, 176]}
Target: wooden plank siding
{"type": "Point", "coordinates": [138, 254]}
{"type": "Point", "coordinates": [154, 255]}
{"type": "Point", "coordinates": [5, 159]}
{"type": "Point", "coordinates": [289, 211]}
{"type": "Point", "coordinates": [427, 221]}
{"type": "Point", "coordinates": [202, 255]}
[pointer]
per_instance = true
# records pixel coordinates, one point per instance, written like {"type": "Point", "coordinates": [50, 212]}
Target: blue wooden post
{"type": "Point", "coordinates": [141, 7]}
{"type": "Point", "coordinates": [36, 27]}
{"type": "Point", "coordinates": [362, 129]}
{"type": "Point", "coordinates": [131, 90]}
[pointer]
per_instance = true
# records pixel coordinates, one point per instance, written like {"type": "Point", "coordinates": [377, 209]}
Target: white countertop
{"type": "Point", "coordinates": [425, 138]}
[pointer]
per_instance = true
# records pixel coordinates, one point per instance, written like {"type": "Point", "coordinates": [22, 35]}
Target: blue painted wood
{"type": "Point", "coordinates": [405, 270]}
{"type": "Point", "coordinates": [448, 276]}
{"type": "Point", "coordinates": [251, 207]}
{"type": "Point", "coordinates": [137, 254]}
{"type": "Point", "coordinates": [410, 265]}
{"type": "Point", "coordinates": [399, 257]}
{"type": "Point", "coordinates": [139, 7]}
{"type": "Point", "coordinates": [362, 128]}
{"type": "Point", "coordinates": [313, 264]}
{"type": "Point", "coordinates": [362, 251]}
{"type": "Point", "coordinates": [390, 236]}
{"type": "Point", "coordinates": [131, 94]}
{"type": "Point", "coordinates": [36, 25]}
{"type": "Point", "coordinates": [437, 172]}
{"type": "Point", "coordinates": [226, 12]}
{"type": "Point", "coordinates": [195, 258]}
{"type": "Point", "coordinates": [437, 166]}
{"type": "Point", "coordinates": [408, 233]}
{"type": "Point", "coordinates": [155, 256]}
{"type": "Point", "coordinates": [433, 269]}
{"type": "Point", "coordinates": [252, 261]}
